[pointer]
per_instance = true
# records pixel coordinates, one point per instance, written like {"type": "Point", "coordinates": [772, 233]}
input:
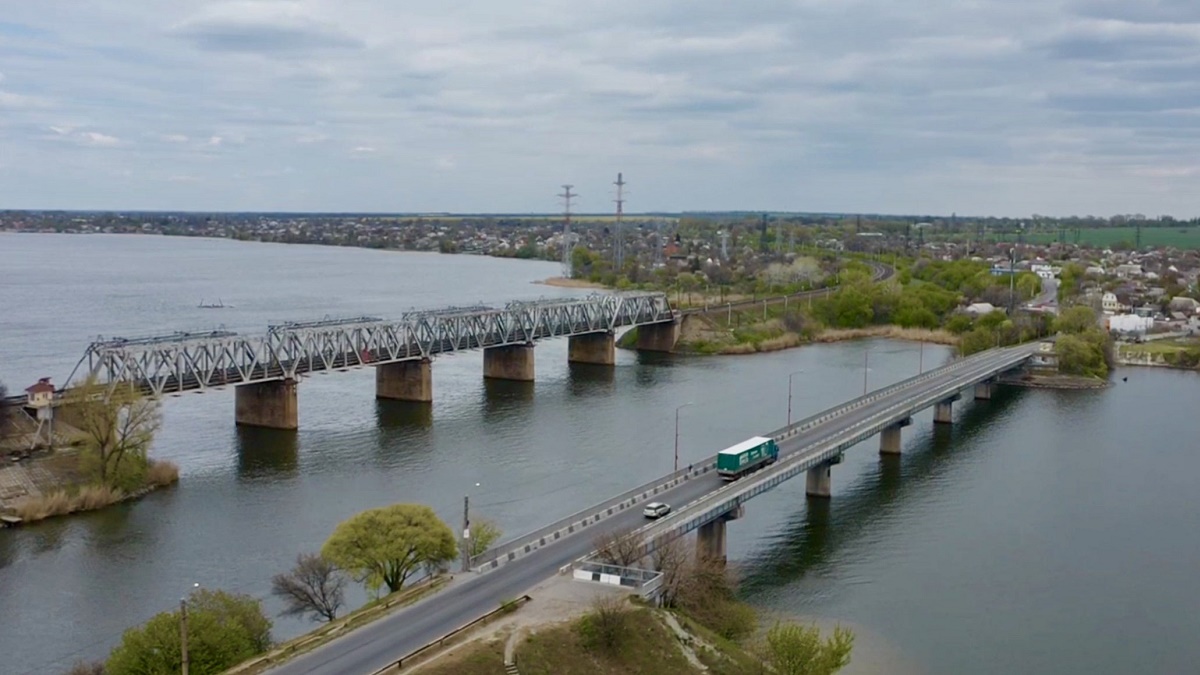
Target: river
{"type": "Point", "coordinates": [1045, 532]}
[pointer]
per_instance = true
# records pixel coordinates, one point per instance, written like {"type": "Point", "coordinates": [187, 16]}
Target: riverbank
{"type": "Point", "coordinates": [52, 485]}
{"type": "Point", "coordinates": [563, 282]}
{"type": "Point", "coordinates": [1036, 380]}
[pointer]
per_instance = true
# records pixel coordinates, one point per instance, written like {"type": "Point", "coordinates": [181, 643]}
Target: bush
{"type": "Point", "coordinates": [605, 627]}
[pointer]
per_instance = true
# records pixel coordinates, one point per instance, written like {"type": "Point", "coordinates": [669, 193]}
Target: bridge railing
{"type": "Point", "coordinates": [724, 499]}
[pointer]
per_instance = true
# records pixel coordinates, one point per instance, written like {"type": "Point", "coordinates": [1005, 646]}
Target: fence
{"type": "Point", "coordinates": [418, 654]}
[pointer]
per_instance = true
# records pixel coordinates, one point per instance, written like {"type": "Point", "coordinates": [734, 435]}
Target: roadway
{"type": "Point", "coordinates": [376, 645]}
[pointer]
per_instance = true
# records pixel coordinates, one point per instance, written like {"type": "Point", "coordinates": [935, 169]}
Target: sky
{"type": "Point", "coordinates": [978, 107]}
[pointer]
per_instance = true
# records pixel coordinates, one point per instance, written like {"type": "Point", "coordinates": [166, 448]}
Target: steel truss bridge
{"type": "Point", "coordinates": [179, 362]}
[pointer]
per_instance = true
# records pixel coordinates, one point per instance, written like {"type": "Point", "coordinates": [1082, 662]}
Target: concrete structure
{"type": "Point", "coordinates": [818, 482]}
{"type": "Point", "coordinates": [598, 349]}
{"type": "Point", "coordinates": [405, 381]}
{"type": "Point", "coordinates": [891, 441]}
{"type": "Point", "coordinates": [39, 395]}
{"type": "Point", "coordinates": [710, 537]}
{"type": "Point", "coordinates": [943, 411]}
{"type": "Point", "coordinates": [983, 391]}
{"type": "Point", "coordinates": [658, 337]}
{"type": "Point", "coordinates": [512, 362]}
{"type": "Point", "coordinates": [270, 404]}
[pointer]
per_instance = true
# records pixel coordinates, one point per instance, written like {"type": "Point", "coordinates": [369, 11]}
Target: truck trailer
{"type": "Point", "coordinates": [738, 460]}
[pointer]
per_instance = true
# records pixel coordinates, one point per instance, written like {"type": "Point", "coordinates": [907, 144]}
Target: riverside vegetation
{"type": "Point", "coordinates": [116, 428]}
{"type": "Point", "coordinates": [379, 548]}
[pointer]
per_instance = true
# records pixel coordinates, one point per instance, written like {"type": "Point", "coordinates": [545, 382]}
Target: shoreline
{"type": "Point", "coordinates": [563, 282]}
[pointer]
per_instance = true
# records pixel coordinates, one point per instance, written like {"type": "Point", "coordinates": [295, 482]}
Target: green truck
{"type": "Point", "coordinates": [738, 460]}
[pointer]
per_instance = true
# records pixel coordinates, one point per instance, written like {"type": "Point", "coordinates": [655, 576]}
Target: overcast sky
{"type": "Point", "coordinates": [1005, 107]}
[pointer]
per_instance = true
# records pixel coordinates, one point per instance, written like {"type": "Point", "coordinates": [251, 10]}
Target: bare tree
{"type": "Point", "coordinates": [671, 558]}
{"type": "Point", "coordinates": [606, 626]}
{"type": "Point", "coordinates": [617, 548]}
{"type": "Point", "coordinates": [314, 587]}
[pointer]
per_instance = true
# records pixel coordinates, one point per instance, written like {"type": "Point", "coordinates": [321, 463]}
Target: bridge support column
{"type": "Point", "coordinates": [710, 537]}
{"type": "Point", "coordinates": [405, 381]}
{"type": "Point", "coordinates": [657, 337]}
{"type": "Point", "coordinates": [514, 362]}
{"type": "Point", "coordinates": [891, 440]}
{"type": "Point", "coordinates": [267, 404]}
{"type": "Point", "coordinates": [983, 391]}
{"type": "Point", "coordinates": [943, 412]}
{"type": "Point", "coordinates": [595, 348]}
{"type": "Point", "coordinates": [818, 481]}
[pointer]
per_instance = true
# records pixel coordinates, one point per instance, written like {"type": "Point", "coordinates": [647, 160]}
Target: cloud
{"type": "Point", "coordinates": [266, 27]}
{"type": "Point", "coordinates": [994, 106]}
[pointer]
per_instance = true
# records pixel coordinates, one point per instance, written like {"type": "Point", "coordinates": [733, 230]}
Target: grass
{"type": "Point", "coordinates": [940, 337]}
{"type": "Point", "coordinates": [89, 497]}
{"type": "Point", "coordinates": [1178, 237]}
{"type": "Point", "coordinates": [1170, 346]}
{"type": "Point", "coordinates": [646, 647]}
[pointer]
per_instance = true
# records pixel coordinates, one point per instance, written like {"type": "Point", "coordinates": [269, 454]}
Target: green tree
{"type": "Point", "coordinates": [976, 340]}
{"type": "Point", "coordinates": [224, 629]}
{"type": "Point", "coordinates": [1078, 355]}
{"type": "Point", "coordinates": [484, 533]}
{"type": "Point", "coordinates": [1076, 319]}
{"type": "Point", "coordinates": [385, 546]}
{"type": "Point", "coordinates": [118, 425]}
{"type": "Point", "coordinates": [793, 649]}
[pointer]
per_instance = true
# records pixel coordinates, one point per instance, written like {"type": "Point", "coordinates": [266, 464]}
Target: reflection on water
{"type": "Point", "coordinates": [405, 417]}
{"type": "Point", "coordinates": [267, 453]}
{"type": "Point", "coordinates": [585, 379]}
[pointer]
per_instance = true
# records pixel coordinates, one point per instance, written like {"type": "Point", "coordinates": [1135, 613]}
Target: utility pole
{"type": "Point", "coordinates": [183, 635]}
{"type": "Point", "coordinates": [1137, 246]}
{"type": "Point", "coordinates": [567, 196]}
{"type": "Point", "coordinates": [619, 242]}
{"type": "Point", "coordinates": [1012, 280]}
{"type": "Point", "coordinates": [466, 545]}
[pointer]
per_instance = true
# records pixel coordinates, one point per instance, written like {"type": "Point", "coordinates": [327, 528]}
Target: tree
{"type": "Point", "coordinates": [384, 546]}
{"type": "Point", "coordinates": [1076, 319]}
{"type": "Point", "coordinates": [313, 586]}
{"type": "Point", "coordinates": [118, 426]}
{"type": "Point", "coordinates": [484, 533]}
{"type": "Point", "coordinates": [617, 548]}
{"type": "Point", "coordinates": [224, 629]}
{"type": "Point", "coordinates": [793, 649]}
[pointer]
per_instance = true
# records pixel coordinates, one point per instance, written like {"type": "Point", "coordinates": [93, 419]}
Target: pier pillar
{"type": "Point", "coordinates": [514, 362]}
{"type": "Point", "coordinates": [657, 337]}
{"type": "Point", "coordinates": [943, 412]}
{"type": "Point", "coordinates": [267, 404]}
{"type": "Point", "coordinates": [983, 391]}
{"type": "Point", "coordinates": [405, 381]}
{"type": "Point", "coordinates": [890, 441]}
{"type": "Point", "coordinates": [595, 348]}
{"type": "Point", "coordinates": [710, 537]}
{"type": "Point", "coordinates": [818, 482]}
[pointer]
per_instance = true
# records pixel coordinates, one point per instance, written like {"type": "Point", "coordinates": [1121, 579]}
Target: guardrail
{"type": "Point", "coordinates": [417, 654]}
{"type": "Point", "coordinates": [728, 497]}
{"type": "Point", "coordinates": [521, 546]}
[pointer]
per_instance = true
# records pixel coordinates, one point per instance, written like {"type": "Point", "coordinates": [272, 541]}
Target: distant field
{"type": "Point", "coordinates": [1179, 237]}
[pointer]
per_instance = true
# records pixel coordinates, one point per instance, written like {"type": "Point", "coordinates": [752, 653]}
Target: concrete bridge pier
{"type": "Point", "coordinates": [657, 337]}
{"type": "Point", "coordinates": [890, 439]}
{"type": "Point", "coordinates": [598, 349]}
{"type": "Point", "coordinates": [983, 391]}
{"type": "Point", "coordinates": [943, 412]}
{"type": "Point", "coordinates": [405, 381]}
{"type": "Point", "coordinates": [818, 482]}
{"type": "Point", "coordinates": [267, 404]}
{"type": "Point", "coordinates": [512, 362]}
{"type": "Point", "coordinates": [710, 537]}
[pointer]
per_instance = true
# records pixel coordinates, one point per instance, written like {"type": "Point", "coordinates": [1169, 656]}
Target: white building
{"type": "Point", "coordinates": [1129, 324]}
{"type": "Point", "coordinates": [1111, 305]}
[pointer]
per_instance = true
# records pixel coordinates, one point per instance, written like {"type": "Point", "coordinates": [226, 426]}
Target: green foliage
{"type": "Point", "coordinates": [1088, 353]}
{"type": "Point", "coordinates": [1076, 319]}
{"type": "Point", "coordinates": [607, 626]}
{"type": "Point", "coordinates": [118, 427]}
{"type": "Point", "coordinates": [976, 340]}
{"type": "Point", "coordinates": [385, 546]}
{"type": "Point", "coordinates": [224, 629]}
{"type": "Point", "coordinates": [793, 649]}
{"type": "Point", "coordinates": [1069, 279]}
{"type": "Point", "coordinates": [959, 324]}
{"type": "Point", "coordinates": [484, 533]}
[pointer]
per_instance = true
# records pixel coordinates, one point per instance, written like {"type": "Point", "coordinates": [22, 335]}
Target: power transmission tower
{"type": "Point", "coordinates": [762, 234]}
{"type": "Point", "coordinates": [779, 238]}
{"type": "Point", "coordinates": [619, 242]}
{"type": "Point", "coordinates": [658, 243]}
{"type": "Point", "coordinates": [724, 234]}
{"type": "Point", "coordinates": [567, 196]}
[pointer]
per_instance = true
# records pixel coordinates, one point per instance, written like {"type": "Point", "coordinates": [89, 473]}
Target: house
{"type": "Point", "coordinates": [1129, 270]}
{"type": "Point", "coordinates": [1183, 304]}
{"type": "Point", "coordinates": [980, 309]}
{"type": "Point", "coordinates": [1111, 304]}
{"type": "Point", "coordinates": [41, 394]}
{"type": "Point", "coordinates": [1129, 324]}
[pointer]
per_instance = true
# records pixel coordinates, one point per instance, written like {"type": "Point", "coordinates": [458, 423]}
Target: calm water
{"type": "Point", "coordinates": [1046, 532]}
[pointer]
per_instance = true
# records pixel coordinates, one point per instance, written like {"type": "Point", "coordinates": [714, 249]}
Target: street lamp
{"type": "Point", "coordinates": [466, 540]}
{"type": "Point", "coordinates": [677, 433]}
{"type": "Point", "coordinates": [789, 422]}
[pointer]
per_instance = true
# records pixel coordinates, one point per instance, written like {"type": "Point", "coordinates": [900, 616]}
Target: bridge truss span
{"type": "Point", "coordinates": [181, 362]}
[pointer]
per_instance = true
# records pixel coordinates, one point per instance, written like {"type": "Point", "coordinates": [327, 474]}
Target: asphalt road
{"type": "Point", "coordinates": [376, 645]}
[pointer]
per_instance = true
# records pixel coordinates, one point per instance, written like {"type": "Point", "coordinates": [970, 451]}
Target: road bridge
{"type": "Point", "coordinates": [703, 503]}
{"type": "Point", "coordinates": [265, 368]}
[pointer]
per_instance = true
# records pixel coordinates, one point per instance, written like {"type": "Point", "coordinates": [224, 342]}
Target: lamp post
{"type": "Point", "coordinates": [789, 422]}
{"type": "Point", "coordinates": [183, 634]}
{"type": "Point", "coordinates": [677, 433]}
{"type": "Point", "coordinates": [466, 537]}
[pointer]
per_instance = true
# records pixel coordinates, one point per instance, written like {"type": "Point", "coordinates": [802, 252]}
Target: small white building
{"type": "Point", "coordinates": [1129, 324]}
{"type": "Point", "coordinates": [980, 309]}
{"type": "Point", "coordinates": [41, 394]}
